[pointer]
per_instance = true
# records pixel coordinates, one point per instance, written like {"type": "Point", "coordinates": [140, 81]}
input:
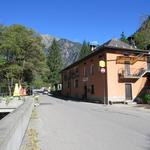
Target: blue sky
{"type": "Point", "coordinates": [77, 20]}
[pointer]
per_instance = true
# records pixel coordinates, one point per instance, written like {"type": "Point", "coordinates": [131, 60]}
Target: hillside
{"type": "Point", "coordinates": [69, 49]}
{"type": "Point", "coordinates": [142, 35]}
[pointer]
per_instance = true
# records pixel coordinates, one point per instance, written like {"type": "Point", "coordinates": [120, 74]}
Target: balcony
{"type": "Point", "coordinates": [131, 59]}
{"type": "Point", "coordinates": [133, 73]}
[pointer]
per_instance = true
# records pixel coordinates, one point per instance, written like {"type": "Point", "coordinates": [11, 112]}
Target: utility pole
{"type": "Point", "coordinates": [102, 65]}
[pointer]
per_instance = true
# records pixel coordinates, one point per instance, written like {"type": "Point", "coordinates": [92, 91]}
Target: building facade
{"type": "Point", "coordinates": [114, 72]}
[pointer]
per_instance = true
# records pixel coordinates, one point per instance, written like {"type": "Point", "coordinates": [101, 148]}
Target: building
{"type": "Point", "coordinates": [114, 72]}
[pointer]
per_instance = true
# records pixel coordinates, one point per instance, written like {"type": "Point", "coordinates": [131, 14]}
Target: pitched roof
{"type": "Point", "coordinates": [115, 43]}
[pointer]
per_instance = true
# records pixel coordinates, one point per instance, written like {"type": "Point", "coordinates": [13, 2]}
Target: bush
{"type": "Point", "coordinates": [147, 98]}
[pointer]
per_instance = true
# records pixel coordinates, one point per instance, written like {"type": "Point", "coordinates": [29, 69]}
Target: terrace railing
{"type": "Point", "coordinates": [132, 73]}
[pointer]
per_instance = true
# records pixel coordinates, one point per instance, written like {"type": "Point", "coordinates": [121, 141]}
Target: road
{"type": "Point", "coordinates": [70, 125]}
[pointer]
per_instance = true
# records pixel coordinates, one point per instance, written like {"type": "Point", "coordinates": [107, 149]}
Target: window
{"type": "Point", "coordinates": [65, 77]}
{"type": "Point", "coordinates": [76, 83]}
{"type": "Point", "coordinates": [68, 84]}
{"type": "Point", "coordinates": [72, 75]}
{"type": "Point", "coordinates": [75, 73]}
{"type": "Point", "coordinates": [92, 89]}
{"type": "Point", "coordinates": [92, 69]}
{"type": "Point", "coordinates": [76, 70]}
{"type": "Point", "coordinates": [69, 76]}
{"type": "Point", "coordinates": [84, 70]}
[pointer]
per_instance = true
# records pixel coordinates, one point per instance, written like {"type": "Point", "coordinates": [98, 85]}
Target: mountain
{"type": "Point", "coordinates": [69, 49]}
{"type": "Point", "coordinates": [47, 40]}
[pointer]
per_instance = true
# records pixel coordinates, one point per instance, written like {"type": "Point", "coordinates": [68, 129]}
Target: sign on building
{"type": "Point", "coordinates": [102, 63]}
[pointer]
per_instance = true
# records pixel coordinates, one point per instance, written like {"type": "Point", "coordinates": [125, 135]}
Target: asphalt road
{"type": "Point", "coordinates": [69, 125]}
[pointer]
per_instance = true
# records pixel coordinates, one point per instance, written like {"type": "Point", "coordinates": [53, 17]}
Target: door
{"type": "Point", "coordinates": [127, 68]}
{"type": "Point", "coordinates": [85, 92]}
{"type": "Point", "coordinates": [128, 91]}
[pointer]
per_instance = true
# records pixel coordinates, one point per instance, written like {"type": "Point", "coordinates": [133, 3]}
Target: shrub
{"type": "Point", "coordinates": [147, 98]}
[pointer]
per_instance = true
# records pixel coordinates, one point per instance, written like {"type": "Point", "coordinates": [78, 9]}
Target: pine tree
{"type": "Point", "coordinates": [54, 62]}
{"type": "Point", "coordinates": [85, 50]}
{"type": "Point", "coordinates": [123, 37]}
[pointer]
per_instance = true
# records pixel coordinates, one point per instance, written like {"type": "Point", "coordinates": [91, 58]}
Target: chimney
{"type": "Point", "coordinates": [93, 45]}
{"type": "Point", "coordinates": [131, 42]}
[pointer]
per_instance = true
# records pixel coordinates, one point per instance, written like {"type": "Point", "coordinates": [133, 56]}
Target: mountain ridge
{"type": "Point", "coordinates": [69, 49]}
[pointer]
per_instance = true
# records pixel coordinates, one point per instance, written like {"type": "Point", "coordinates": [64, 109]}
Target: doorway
{"type": "Point", "coordinates": [128, 91]}
{"type": "Point", "coordinates": [85, 92]}
{"type": "Point", "coordinates": [127, 68]}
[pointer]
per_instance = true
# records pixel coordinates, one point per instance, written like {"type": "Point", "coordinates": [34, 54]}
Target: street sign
{"type": "Point", "coordinates": [103, 70]}
{"type": "Point", "coordinates": [85, 79]}
{"type": "Point", "coordinates": [102, 63]}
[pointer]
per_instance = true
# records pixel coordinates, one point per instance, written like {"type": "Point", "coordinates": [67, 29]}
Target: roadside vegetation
{"type": "Point", "coordinates": [22, 59]}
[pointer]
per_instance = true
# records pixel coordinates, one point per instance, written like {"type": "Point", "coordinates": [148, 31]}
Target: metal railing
{"type": "Point", "coordinates": [132, 73]}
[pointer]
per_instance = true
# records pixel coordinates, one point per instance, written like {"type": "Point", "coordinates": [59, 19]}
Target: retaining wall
{"type": "Point", "coordinates": [14, 125]}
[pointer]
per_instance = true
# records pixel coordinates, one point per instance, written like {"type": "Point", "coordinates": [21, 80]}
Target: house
{"type": "Point", "coordinates": [114, 72]}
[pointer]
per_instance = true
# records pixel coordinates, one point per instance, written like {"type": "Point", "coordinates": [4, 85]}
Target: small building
{"type": "Point", "coordinates": [114, 72]}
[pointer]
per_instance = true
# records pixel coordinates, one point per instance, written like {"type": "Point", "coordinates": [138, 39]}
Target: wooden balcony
{"type": "Point", "coordinates": [130, 59]}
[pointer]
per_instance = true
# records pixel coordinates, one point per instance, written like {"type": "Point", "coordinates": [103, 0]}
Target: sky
{"type": "Point", "coordinates": [77, 20]}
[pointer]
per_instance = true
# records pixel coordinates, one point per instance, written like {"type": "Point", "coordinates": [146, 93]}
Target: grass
{"type": "Point", "coordinates": [32, 136]}
{"type": "Point", "coordinates": [32, 143]}
{"type": "Point", "coordinates": [34, 114]}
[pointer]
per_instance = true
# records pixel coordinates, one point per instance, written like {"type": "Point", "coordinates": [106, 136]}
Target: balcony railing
{"type": "Point", "coordinates": [132, 73]}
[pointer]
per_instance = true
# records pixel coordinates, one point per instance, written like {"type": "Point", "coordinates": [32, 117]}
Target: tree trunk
{"type": "Point", "coordinates": [9, 87]}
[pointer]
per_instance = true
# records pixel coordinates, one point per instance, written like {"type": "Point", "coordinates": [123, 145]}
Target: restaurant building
{"type": "Point", "coordinates": [113, 72]}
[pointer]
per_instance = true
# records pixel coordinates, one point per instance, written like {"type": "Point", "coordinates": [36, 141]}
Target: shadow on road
{"type": "Point", "coordinates": [59, 96]}
{"type": "Point", "coordinates": [46, 103]}
{"type": "Point", "coordinates": [147, 147]}
{"type": "Point", "coordinates": [65, 98]}
{"type": "Point", "coordinates": [145, 106]}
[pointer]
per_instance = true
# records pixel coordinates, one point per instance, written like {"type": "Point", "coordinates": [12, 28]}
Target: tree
{"type": "Point", "coordinates": [21, 55]}
{"type": "Point", "coordinates": [123, 37]}
{"type": "Point", "coordinates": [85, 50]}
{"type": "Point", "coordinates": [54, 62]}
{"type": "Point", "coordinates": [142, 36]}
